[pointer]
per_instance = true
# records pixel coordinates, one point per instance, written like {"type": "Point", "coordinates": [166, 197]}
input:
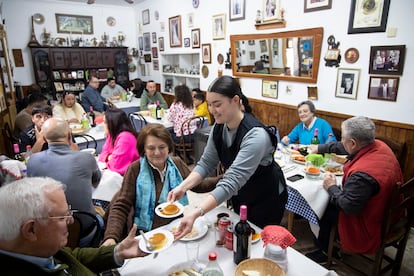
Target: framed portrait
{"type": "Point", "coordinates": [56, 75]}
{"type": "Point", "coordinates": [368, 16]}
{"type": "Point", "coordinates": [80, 74]}
{"type": "Point", "coordinates": [195, 36]}
{"type": "Point", "coordinates": [206, 49]}
{"type": "Point", "coordinates": [154, 37]}
{"type": "Point", "coordinates": [147, 57]}
{"type": "Point", "coordinates": [145, 17]}
{"type": "Point", "coordinates": [156, 65]}
{"type": "Point", "coordinates": [387, 60]}
{"type": "Point", "coordinates": [75, 24]}
{"type": "Point", "coordinates": [383, 88]}
{"type": "Point", "coordinates": [186, 42]}
{"type": "Point", "coordinates": [219, 26]}
{"type": "Point", "coordinates": [251, 42]}
{"type": "Point", "coordinates": [58, 86]}
{"type": "Point", "coordinates": [161, 43]}
{"type": "Point", "coordinates": [252, 54]}
{"type": "Point", "coordinates": [263, 46]}
{"type": "Point", "coordinates": [271, 10]}
{"type": "Point", "coordinates": [175, 31]}
{"type": "Point", "coordinates": [147, 41]}
{"type": "Point", "coordinates": [141, 43]}
{"type": "Point", "coordinates": [237, 9]}
{"type": "Point", "coordinates": [347, 83]}
{"type": "Point", "coordinates": [154, 52]}
{"type": "Point", "coordinates": [190, 20]}
{"type": "Point", "coordinates": [269, 88]}
{"type": "Point", "coordinates": [312, 5]}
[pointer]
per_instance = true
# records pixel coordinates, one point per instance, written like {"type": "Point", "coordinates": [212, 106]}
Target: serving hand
{"type": "Point", "coordinates": [175, 194]}
{"type": "Point", "coordinates": [185, 227]}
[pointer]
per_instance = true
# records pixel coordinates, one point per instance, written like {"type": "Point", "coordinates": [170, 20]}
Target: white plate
{"type": "Point", "coordinates": [162, 205]}
{"type": "Point", "coordinates": [198, 267]}
{"type": "Point", "coordinates": [169, 236]}
{"type": "Point", "coordinates": [200, 226]}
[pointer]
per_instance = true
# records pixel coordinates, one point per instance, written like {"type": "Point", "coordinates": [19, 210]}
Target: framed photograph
{"type": "Point", "coordinates": [75, 24]}
{"type": "Point", "coordinates": [252, 55]}
{"type": "Point", "coordinates": [383, 88]}
{"type": "Point", "coordinates": [219, 26]}
{"type": "Point", "coordinates": [58, 86]}
{"type": "Point", "coordinates": [347, 83]}
{"type": "Point", "coordinates": [237, 9]}
{"type": "Point", "coordinates": [156, 65]}
{"type": "Point", "coordinates": [175, 31]}
{"type": "Point", "coordinates": [154, 52]}
{"type": "Point", "coordinates": [154, 37]}
{"type": "Point", "coordinates": [186, 42]}
{"type": "Point", "coordinates": [145, 17]}
{"type": "Point", "coordinates": [141, 43]}
{"type": "Point", "coordinates": [269, 88]}
{"type": "Point", "coordinates": [56, 75]}
{"type": "Point", "coordinates": [332, 54]}
{"type": "Point", "coordinates": [66, 86]}
{"type": "Point", "coordinates": [79, 74]}
{"type": "Point", "coordinates": [161, 43]}
{"type": "Point", "coordinates": [271, 10]}
{"type": "Point", "coordinates": [147, 57]}
{"type": "Point", "coordinates": [147, 41]}
{"type": "Point", "coordinates": [312, 5]}
{"type": "Point", "coordinates": [387, 60]}
{"type": "Point", "coordinates": [190, 20]}
{"type": "Point", "coordinates": [206, 49]}
{"type": "Point", "coordinates": [368, 16]}
{"type": "Point", "coordinates": [251, 42]}
{"type": "Point", "coordinates": [195, 35]}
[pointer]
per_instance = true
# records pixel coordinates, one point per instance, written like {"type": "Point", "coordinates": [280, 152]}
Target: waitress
{"type": "Point", "coordinates": [245, 148]}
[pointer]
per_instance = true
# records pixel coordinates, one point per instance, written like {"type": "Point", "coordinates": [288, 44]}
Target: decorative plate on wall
{"type": "Point", "coordinates": [111, 21]}
{"type": "Point", "coordinates": [351, 55]}
{"type": "Point", "coordinates": [38, 18]}
{"type": "Point", "coordinates": [196, 3]}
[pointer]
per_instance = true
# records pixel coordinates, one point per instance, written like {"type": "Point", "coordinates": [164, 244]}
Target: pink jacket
{"type": "Point", "coordinates": [121, 154]}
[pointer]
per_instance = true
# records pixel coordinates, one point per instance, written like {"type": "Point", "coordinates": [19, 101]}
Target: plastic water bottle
{"type": "Point", "coordinates": [277, 254]}
{"type": "Point", "coordinates": [278, 153]}
{"type": "Point", "coordinates": [213, 268]}
{"type": "Point", "coordinates": [330, 138]}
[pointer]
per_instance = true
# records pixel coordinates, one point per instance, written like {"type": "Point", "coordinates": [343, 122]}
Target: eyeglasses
{"type": "Point", "coordinates": [68, 217]}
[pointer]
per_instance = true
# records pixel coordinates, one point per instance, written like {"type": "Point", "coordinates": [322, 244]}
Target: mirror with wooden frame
{"type": "Point", "coordinates": [289, 56]}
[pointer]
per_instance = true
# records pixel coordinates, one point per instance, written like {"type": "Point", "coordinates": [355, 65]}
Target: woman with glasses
{"type": "Point", "coordinates": [119, 148]}
{"type": "Point", "coordinates": [69, 109]}
{"type": "Point", "coordinates": [146, 184]}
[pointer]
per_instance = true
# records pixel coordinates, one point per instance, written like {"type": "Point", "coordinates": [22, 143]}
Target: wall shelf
{"type": "Point", "coordinates": [271, 25]}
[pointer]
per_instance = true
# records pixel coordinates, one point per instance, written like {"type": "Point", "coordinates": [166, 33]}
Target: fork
{"type": "Point", "coordinates": [147, 242]}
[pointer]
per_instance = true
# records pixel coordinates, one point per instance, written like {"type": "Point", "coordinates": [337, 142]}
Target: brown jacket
{"type": "Point", "coordinates": [121, 209]}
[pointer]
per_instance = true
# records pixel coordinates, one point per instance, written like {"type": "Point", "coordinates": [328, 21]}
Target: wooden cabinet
{"type": "Point", "coordinates": [59, 69]}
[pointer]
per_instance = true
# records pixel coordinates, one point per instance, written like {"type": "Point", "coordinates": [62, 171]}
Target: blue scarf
{"type": "Point", "coordinates": [145, 192]}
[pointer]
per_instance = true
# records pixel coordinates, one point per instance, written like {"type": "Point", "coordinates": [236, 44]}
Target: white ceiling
{"type": "Point", "coordinates": [108, 2]}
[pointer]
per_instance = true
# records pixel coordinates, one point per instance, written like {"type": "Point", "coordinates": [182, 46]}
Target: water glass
{"type": "Point", "coordinates": [191, 249]}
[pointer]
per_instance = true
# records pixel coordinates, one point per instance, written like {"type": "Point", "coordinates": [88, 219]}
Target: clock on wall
{"type": "Point", "coordinates": [196, 3]}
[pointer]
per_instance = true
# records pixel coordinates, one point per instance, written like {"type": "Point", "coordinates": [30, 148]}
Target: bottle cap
{"type": "Point", "coordinates": [28, 147]}
{"type": "Point", "coordinates": [16, 148]}
{"type": "Point", "coordinates": [243, 212]}
{"type": "Point", "coordinates": [212, 256]}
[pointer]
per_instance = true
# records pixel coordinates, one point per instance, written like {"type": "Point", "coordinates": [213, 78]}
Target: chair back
{"type": "Point", "coordinates": [85, 231]}
{"type": "Point", "coordinates": [399, 148]}
{"type": "Point", "coordinates": [186, 144]}
{"type": "Point", "coordinates": [275, 131]}
{"type": "Point", "coordinates": [137, 120]}
{"type": "Point", "coordinates": [88, 141]}
{"type": "Point", "coordinates": [9, 139]}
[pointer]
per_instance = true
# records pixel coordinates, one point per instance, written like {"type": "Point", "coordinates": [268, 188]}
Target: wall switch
{"type": "Point", "coordinates": [392, 32]}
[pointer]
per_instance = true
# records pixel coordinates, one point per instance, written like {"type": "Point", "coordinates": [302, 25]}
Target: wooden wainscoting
{"type": "Point", "coordinates": [285, 117]}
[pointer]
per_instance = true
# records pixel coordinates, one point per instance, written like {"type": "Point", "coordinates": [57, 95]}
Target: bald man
{"type": "Point", "coordinates": [77, 170]}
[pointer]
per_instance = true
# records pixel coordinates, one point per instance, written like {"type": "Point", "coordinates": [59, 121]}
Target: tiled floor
{"type": "Point", "coordinates": [304, 244]}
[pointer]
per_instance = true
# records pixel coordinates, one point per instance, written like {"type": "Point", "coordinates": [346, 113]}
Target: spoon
{"type": "Point", "coordinates": [147, 242]}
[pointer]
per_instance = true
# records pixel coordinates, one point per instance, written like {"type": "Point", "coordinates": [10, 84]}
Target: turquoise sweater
{"type": "Point", "coordinates": [304, 135]}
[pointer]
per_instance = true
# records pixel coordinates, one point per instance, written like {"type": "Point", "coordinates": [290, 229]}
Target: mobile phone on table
{"type": "Point", "coordinates": [295, 177]}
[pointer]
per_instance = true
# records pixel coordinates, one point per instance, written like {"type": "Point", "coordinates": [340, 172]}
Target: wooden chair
{"type": "Point", "coordinates": [137, 120]}
{"type": "Point", "coordinates": [76, 229]}
{"type": "Point", "coordinates": [186, 145]}
{"type": "Point", "coordinates": [395, 233]}
{"type": "Point", "coordinates": [399, 148]}
{"type": "Point", "coordinates": [9, 139]}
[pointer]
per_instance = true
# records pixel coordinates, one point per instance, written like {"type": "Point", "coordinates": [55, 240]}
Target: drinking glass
{"type": "Point", "coordinates": [191, 248]}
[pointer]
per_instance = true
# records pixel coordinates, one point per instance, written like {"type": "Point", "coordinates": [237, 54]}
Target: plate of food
{"type": "Point", "coordinates": [336, 170]}
{"type": "Point", "coordinates": [255, 236]}
{"type": "Point", "coordinates": [200, 229]}
{"type": "Point", "coordinates": [298, 158]}
{"type": "Point", "coordinates": [189, 268]}
{"type": "Point", "coordinates": [169, 210]}
{"type": "Point", "coordinates": [77, 128]}
{"type": "Point", "coordinates": [160, 239]}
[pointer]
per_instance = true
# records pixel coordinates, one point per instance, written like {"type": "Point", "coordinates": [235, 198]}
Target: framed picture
{"type": "Point", "coordinates": [387, 60]}
{"type": "Point", "coordinates": [206, 49]}
{"type": "Point", "coordinates": [141, 43]}
{"type": "Point", "coordinates": [154, 37]}
{"type": "Point", "coordinates": [147, 41]}
{"type": "Point", "coordinates": [56, 75]}
{"type": "Point", "coordinates": [79, 74]}
{"type": "Point", "coordinates": [252, 54]}
{"type": "Point", "coordinates": [175, 31]}
{"type": "Point", "coordinates": [190, 20]}
{"type": "Point", "coordinates": [147, 57]}
{"type": "Point", "coordinates": [383, 88]}
{"type": "Point", "coordinates": [347, 83]}
{"type": "Point", "coordinates": [75, 24]}
{"type": "Point", "coordinates": [271, 10]}
{"type": "Point", "coordinates": [154, 52]}
{"type": "Point", "coordinates": [219, 26]}
{"type": "Point", "coordinates": [186, 42]}
{"type": "Point", "coordinates": [66, 86]}
{"type": "Point", "coordinates": [161, 43]}
{"type": "Point", "coordinates": [145, 17]}
{"type": "Point", "coordinates": [368, 16]}
{"type": "Point", "coordinates": [195, 35]}
{"type": "Point", "coordinates": [58, 86]}
{"type": "Point", "coordinates": [269, 88]}
{"type": "Point", "coordinates": [237, 9]}
{"type": "Point", "coordinates": [312, 5]}
{"type": "Point", "coordinates": [156, 65]}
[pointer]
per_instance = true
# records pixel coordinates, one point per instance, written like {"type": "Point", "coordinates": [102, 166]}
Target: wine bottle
{"type": "Point", "coordinates": [212, 268]}
{"type": "Point", "coordinates": [17, 154]}
{"type": "Point", "coordinates": [158, 111]}
{"type": "Point", "coordinates": [242, 237]}
{"type": "Point", "coordinates": [91, 115]}
{"type": "Point", "coordinates": [315, 139]}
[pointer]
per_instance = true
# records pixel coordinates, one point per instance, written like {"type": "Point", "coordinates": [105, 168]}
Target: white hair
{"type": "Point", "coordinates": [22, 200]}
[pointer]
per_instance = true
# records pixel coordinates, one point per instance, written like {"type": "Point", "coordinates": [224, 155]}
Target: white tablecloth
{"type": "Point", "coordinates": [298, 264]}
{"type": "Point", "coordinates": [133, 106]}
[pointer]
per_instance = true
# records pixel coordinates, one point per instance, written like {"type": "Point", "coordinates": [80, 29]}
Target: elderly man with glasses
{"type": "Point", "coordinates": [92, 98]}
{"type": "Point", "coordinates": [34, 231]}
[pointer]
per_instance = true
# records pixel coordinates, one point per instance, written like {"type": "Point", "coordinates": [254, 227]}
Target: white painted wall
{"type": "Point", "coordinates": [334, 21]}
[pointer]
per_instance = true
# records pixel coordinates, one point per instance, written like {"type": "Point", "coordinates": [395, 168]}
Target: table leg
{"type": "Point", "coordinates": [291, 217]}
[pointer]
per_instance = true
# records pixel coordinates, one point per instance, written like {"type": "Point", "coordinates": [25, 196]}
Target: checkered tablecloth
{"type": "Point", "coordinates": [297, 204]}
